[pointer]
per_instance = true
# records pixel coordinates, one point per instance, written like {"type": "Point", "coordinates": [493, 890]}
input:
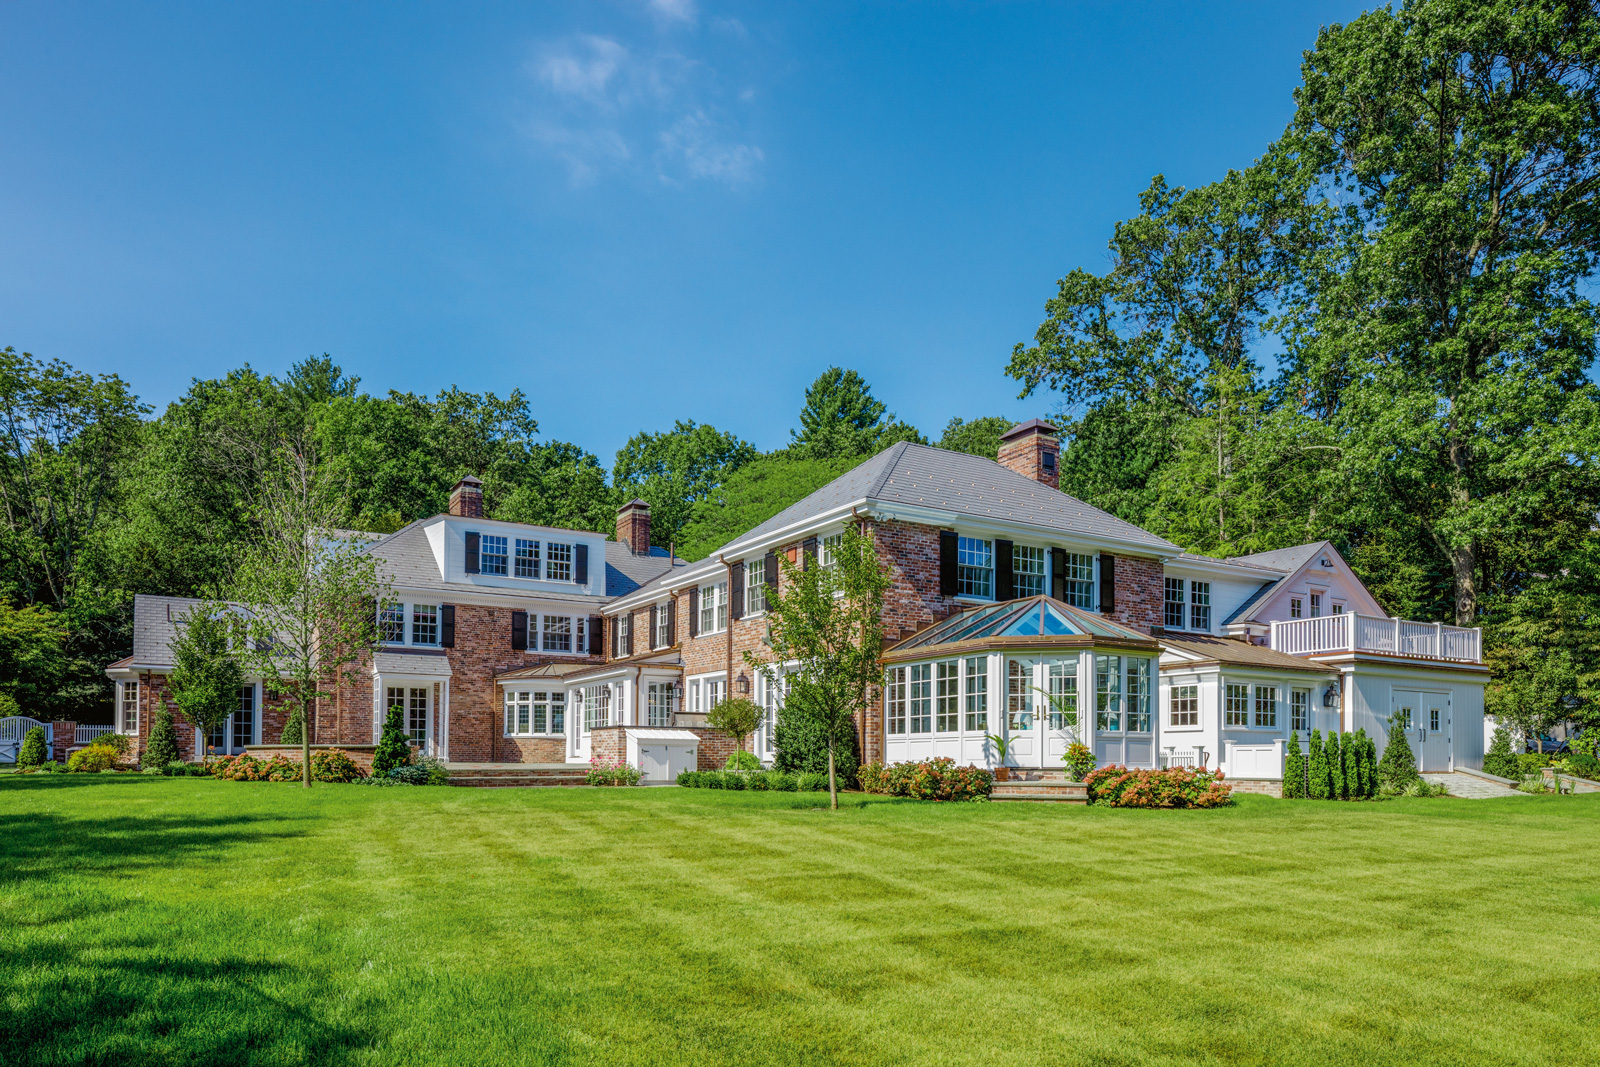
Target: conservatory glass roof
{"type": "Point", "coordinates": [1035, 616]}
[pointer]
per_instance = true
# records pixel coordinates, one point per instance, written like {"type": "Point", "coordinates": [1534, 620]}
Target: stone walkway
{"type": "Point", "coordinates": [1471, 786]}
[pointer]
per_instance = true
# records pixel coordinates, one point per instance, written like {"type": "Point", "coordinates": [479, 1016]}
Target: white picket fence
{"type": "Point", "coordinates": [85, 734]}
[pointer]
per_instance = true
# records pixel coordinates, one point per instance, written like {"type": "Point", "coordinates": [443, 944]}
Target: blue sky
{"type": "Point", "coordinates": [634, 211]}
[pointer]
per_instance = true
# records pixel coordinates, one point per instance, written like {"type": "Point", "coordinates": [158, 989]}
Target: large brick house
{"type": "Point", "coordinates": [1014, 610]}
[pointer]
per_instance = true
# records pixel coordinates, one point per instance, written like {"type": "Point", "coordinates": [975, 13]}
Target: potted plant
{"type": "Point", "coordinates": [1079, 760]}
{"type": "Point", "coordinates": [1002, 745]}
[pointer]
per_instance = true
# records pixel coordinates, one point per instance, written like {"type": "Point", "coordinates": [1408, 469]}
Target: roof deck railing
{"type": "Point", "coordinates": [1350, 632]}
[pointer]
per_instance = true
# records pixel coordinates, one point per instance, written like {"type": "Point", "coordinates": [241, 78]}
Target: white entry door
{"type": "Point", "coordinates": [1022, 701]}
{"type": "Point", "coordinates": [1428, 728]}
{"type": "Point", "coordinates": [1059, 721]}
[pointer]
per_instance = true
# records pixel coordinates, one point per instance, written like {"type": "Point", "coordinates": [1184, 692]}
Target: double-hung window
{"type": "Point", "coordinates": [974, 567]}
{"type": "Point", "coordinates": [947, 696]}
{"type": "Point", "coordinates": [714, 608]}
{"type": "Point", "coordinates": [526, 562]}
{"type": "Point", "coordinates": [1136, 694]}
{"type": "Point", "coordinates": [1173, 604]}
{"type": "Point", "coordinates": [828, 550]}
{"type": "Point", "coordinates": [1080, 580]}
{"type": "Point", "coordinates": [894, 690]}
{"type": "Point", "coordinates": [128, 708]}
{"type": "Point", "coordinates": [661, 625]}
{"type": "Point", "coordinates": [558, 562]}
{"type": "Point", "coordinates": [1200, 606]}
{"type": "Point", "coordinates": [1185, 705]}
{"type": "Point", "coordinates": [1236, 705]}
{"type": "Point", "coordinates": [1027, 570]}
{"type": "Point", "coordinates": [1062, 677]}
{"type": "Point", "coordinates": [557, 633]}
{"type": "Point", "coordinates": [716, 692]}
{"type": "Point", "coordinates": [755, 587]}
{"type": "Point", "coordinates": [1296, 608]}
{"type": "Point", "coordinates": [1108, 693]}
{"type": "Point", "coordinates": [922, 698]}
{"type": "Point", "coordinates": [658, 705]}
{"type": "Point", "coordinates": [1267, 707]}
{"type": "Point", "coordinates": [977, 694]}
{"type": "Point", "coordinates": [1300, 710]}
{"type": "Point", "coordinates": [492, 554]}
{"type": "Point", "coordinates": [424, 624]}
{"type": "Point", "coordinates": [392, 624]}
{"type": "Point", "coordinates": [596, 706]}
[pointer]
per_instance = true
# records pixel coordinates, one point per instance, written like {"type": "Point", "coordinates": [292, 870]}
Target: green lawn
{"type": "Point", "coordinates": [192, 921]}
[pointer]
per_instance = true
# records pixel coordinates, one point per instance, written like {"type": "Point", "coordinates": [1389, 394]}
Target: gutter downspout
{"type": "Point", "coordinates": [729, 578]}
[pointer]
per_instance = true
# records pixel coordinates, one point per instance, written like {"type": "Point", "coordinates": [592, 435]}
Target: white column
{"type": "Point", "coordinates": [444, 720]}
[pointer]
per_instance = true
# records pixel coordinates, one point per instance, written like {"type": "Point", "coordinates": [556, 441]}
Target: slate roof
{"type": "Point", "coordinates": [907, 473]}
{"type": "Point", "coordinates": [1287, 560]}
{"type": "Point", "coordinates": [1228, 651]}
{"type": "Point", "coordinates": [155, 621]}
{"type": "Point", "coordinates": [626, 572]}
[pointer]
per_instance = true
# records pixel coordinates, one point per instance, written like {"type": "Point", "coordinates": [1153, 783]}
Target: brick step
{"type": "Point", "coordinates": [1057, 791]}
{"type": "Point", "coordinates": [518, 774]}
{"type": "Point", "coordinates": [503, 782]}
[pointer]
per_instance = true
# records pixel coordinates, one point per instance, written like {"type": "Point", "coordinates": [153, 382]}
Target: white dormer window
{"type": "Point", "coordinates": [558, 563]}
{"type": "Point", "coordinates": [527, 559]}
{"type": "Point", "coordinates": [1338, 608]}
{"type": "Point", "coordinates": [492, 554]}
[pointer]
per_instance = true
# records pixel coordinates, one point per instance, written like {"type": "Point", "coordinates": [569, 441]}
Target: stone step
{"type": "Point", "coordinates": [503, 782]}
{"type": "Point", "coordinates": [1058, 791]}
{"type": "Point", "coordinates": [517, 774]}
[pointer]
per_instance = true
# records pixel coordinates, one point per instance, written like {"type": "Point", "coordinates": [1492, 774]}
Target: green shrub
{"type": "Point", "coordinates": [32, 753]}
{"type": "Point", "coordinates": [438, 773]}
{"type": "Point", "coordinates": [1174, 787]}
{"type": "Point", "coordinates": [873, 777]}
{"type": "Point", "coordinates": [161, 747]}
{"type": "Point", "coordinates": [410, 774]}
{"type": "Point", "coordinates": [759, 781]}
{"type": "Point", "coordinates": [1500, 760]}
{"type": "Point", "coordinates": [1333, 756]}
{"type": "Point", "coordinates": [154, 771]}
{"type": "Point", "coordinates": [1294, 769]}
{"type": "Point", "coordinates": [1366, 785]}
{"type": "Point", "coordinates": [175, 769]}
{"type": "Point", "coordinates": [91, 760]}
{"type": "Point", "coordinates": [615, 774]}
{"type": "Point", "coordinates": [802, 746]}
{"type": "Point", "coordinates": [1317, 768]}
{"type": "Point", "coordinates": [711, 779]}
{"type": "Point", "coordinates": [782, 782]}
{"type": "Point", "coordinates": [394, 747]}
{"type": "Point", "coordinates": [1398, 768]}
{"type": "Point", "coordinates": [743, 761]}
{"type": "Point", "coordinates": [1583, 765]}
{"type": "Point", "coordinates": [9, 706]}
{"type": "Point", "coordinates": [689, 779]}
{"type": "Point", "coordinates": [815, 781]}
{"type": "Point", "coordinates": [292, 729]}
{"type": "Point", "coordinates": [1079, 760]}
{"type": "Point", "coordinates": [734, 780]}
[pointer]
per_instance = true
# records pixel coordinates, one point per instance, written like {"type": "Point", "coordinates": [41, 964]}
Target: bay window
{"type": "Point", "coordinates": [1136, 694]}
{"type": "Point", "coordinates": [1108, 693]}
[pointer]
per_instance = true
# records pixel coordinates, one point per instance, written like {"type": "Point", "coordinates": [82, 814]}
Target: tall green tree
{"type": "Point", "coordinates": [753, 494]}
{"type": "Point", "coordinates": [827, 620]}
{"type": "Point", "coordinates": [841, 418]}
{"type": "Point", "coordinates": [206, 677]}
{"type": "Point", "coordinates": [675, 470]}
{"type": "Point", "coordinates": [980, 437]}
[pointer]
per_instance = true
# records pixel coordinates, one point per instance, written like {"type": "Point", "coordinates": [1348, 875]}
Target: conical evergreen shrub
{"type": "Point", "coordinates": [1398, 767]}
{"type": "Point", "coordinates": [1316, 769]}
{"type": "Point", "coordinates": [32, 753]}
{"type": "Point", "coordinates": [161, 747]}
{"type": "Point", "coordinates": [1355, 764]}
{"type": "Point", "coordinates": [1333, 753]}
{"type": "Point", "coordinates": [1499, 759]}
{"type": "Point", "coordinates": [1294, 769]}
{"type": "Point", "coordinates": [394, 748]}
{"type": "Point", "coordinates": [292, 728]}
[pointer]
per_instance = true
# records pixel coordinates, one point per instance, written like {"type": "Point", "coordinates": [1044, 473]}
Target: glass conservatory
{"type": "Point", "coordinates": [1036, 673]}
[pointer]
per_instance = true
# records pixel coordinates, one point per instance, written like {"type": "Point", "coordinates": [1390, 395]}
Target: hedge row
{"type": "Point", "coordinates": [760, 781]}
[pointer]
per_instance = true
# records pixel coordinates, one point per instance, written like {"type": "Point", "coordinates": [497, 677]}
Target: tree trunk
{"type": "Point", "coordinates": [1464, 570]}
{"type": "Point", "coordinates": [305, 746]}
{"type": "Point", "coordinates": [833, 786]}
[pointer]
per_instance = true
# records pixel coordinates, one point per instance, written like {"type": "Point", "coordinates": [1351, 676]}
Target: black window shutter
{"type": "Point", "coordinates": [672, 621]}
{"type": "Point", "coordinates": [808, 549]}
{"type": "Point", "coordinates": [771, 572]}
{"type": "Point", "coordinates": [519, 631]}
{"type": "Point", "coordinates": [472, 553]}
{"type": "Point", "coordinates": [736, 591]}
{"type": "Point", "coordinates": [1058, 573]}
{"type": "Point", "coordinates": [694, 612]}
{"type": "Point", "coordinates": [580, 564]}
{"type": "Point", "coordinates": [1005, 587]}
{"type": "Point", "coordinates": [655, 617]}
{"type": "Point", "coordinates": [597, 631]}
{"type": "Point", "coordinates": [627, 635]}
{"type": "Point", "coordinates": [447, 626]}
{"type": "Point", "coordinates": [1108, 581]}
{"type": "Point", "coordinates": [616, 637]}
{"type": "Point", "coordinates": [947, 563]}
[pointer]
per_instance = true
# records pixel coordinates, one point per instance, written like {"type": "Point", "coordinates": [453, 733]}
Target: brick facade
{"type": "Point", "coordinates": [1138, 593]}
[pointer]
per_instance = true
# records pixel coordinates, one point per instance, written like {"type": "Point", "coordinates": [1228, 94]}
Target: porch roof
{"type": "Point", "coordinates": [1036, 621]}
{"type": "Point", "coordinates": [1199, 650]}
{"type": "Point", "coordinates": [432, 664]}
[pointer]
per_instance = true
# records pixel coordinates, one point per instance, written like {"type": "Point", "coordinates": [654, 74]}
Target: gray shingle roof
{"type": "Point", "coordinates": [155, 620]}
{"type": "Point", "coordinates": [1287, 560]}
{"type": "Point", "coordinates": [1230, 651]}
{"type": "Point", "coordinates": [913, 474]}
{"type": "Point", "coordinates": [626, 572]}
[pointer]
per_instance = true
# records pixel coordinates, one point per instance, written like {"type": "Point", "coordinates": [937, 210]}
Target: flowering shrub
{"type": "Point", "coordinates": [619, 773]}
{"type": "Point", "coordinates": [935, 779]}
{"type": "Point", "coordinates": [1079, 760]}
{"type": "Point", "coordinates": [246, 768]}
{"type": "Point", "coordinates": [1175, 787]}
{"type": "Point", "coordinates": [334, 765]}
{"type": "Point", "coordinates": [93, 759]}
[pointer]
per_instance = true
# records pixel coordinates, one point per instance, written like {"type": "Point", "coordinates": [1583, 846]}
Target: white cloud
{"type": "Point", "coordinates": [677, 10]}
{"type": "Point", "coordinates": [584, 67]}
{"type": "Point", "coordinates": [695, 144]}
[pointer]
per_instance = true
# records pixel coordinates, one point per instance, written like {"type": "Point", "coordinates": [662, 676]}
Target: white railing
{"type": "Point", "coordinates": [84, 734]}
{"type": "Point", "coordinates": [1373, 633]}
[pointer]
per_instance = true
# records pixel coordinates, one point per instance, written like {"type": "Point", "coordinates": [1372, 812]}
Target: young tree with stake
{"type": "Point", "coordinates": [206, 677]}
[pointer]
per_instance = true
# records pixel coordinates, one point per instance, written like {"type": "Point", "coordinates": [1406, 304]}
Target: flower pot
{"type": "Point", "coordinates": [1002, 774]}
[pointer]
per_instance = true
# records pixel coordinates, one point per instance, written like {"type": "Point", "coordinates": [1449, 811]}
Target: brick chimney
{"type": "Point", "coordinates": [1032, 450]}
{"type": "Point", "coordinates": [466, 499]}
{"type": "Point", "coordinates": [633, 526]}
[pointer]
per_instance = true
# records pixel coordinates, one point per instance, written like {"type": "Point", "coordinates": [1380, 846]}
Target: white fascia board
{"type": "Point", "coordinates": [497, 599]}
{"type": "Point", "coordinates": [1379, 665]}
{"type": "Point", "coordinates": [994, 527]}
{"type": "Point", "coordinates": [1226, 570]}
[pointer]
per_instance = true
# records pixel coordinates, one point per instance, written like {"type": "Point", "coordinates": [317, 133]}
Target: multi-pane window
{"type": "Point", "coordinates": [596, 706]}
{"type": "Point", "coordinates": [1300, 710]}
{"type": "Point", "coordinates": [974, 567]}
{"type": "Point", "coordinates": [492, 554]}
{"type": "Point", "coordinates": [1136, 695]}
{"type": "Point", "coordinates": [1296, 608]}
{"type": "Point", "coordinates": [414, 702]}
{"type": "Point", "coordinates": [1080, 580]}
{"type": "Point", "coordinates": [558, 562]}
{"type": "Point", "coordinates": [1316, 605]}
{"type": "Point", "coordinates": [1186, 705]}
{"type": "Point", "coordinates": [244, 720]}
{"type": "Point", "coordinates": [661, 625]}
{"type": "Point", "coordinates": [922, 698]}
{"type": "Point", "coordinates": [1019, 695]}
{"type": "Point", "coordinates": [894, 689]}
{"type": "Point", "coordinates": [1062, 676]}
{"type": "Point", "coordinates": [716, 693]}
{"type": "Point", "coordinates": [1027, 570]}
{"type": "Point", "coordinates": [1267, 707]}
{"type": "Point", "coordinates": [947, 696]}
{"type": "Point", "coordinates": [557, 633]}
{"type": "Point", "coordinates": [392, 623]}
{"type": "Point", "coordinates": [128, 708]}
{"type": "Point", "coordinates": [1433, 718]}
{"type": "Point", "coordinates": [519, 713]}
{"type": "Point", "coordinates": [755, 586]}
{"type": "Point", "coordinates": [624, 629]}
{"type": "Point", "coordinates": [1338, 608]}
{"type": "Point", "coordinates": [1200, 606]}
{"type": "Point", "coordinates": [526, 562]}
{"type": "Point", "coordinates": [714, 608]}
{"type": "Point", "coordinates": [1173, 603]}
{"type": "Point", "coordinates": [1108, 693]}
{"type": "Point", "coordinates": [424, 624]}
{"type": "Point", "coordinates": [1236, 705]}
{"type": "Point", "coordinates": [828, 550]}
{"type": "Point", "coordinates": [774, 691]}
{"type": "Point", "coordinates": [658, 704]}
{"type": "Point", "coordinates": [977, 694]}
